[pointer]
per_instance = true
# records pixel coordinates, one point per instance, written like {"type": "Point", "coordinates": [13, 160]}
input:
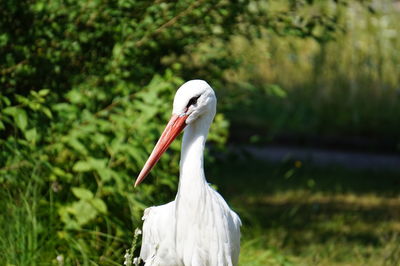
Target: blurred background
{"type": "Point", "coordinates": [305, 145]}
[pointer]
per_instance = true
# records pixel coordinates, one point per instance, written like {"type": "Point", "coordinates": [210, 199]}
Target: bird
{"type": "Point", "coordinates": [198, 228]}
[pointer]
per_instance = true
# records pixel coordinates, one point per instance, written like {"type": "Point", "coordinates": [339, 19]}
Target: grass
{"type": "Point", "coordinates": [303, 90]}
{"type": "Point", "coordinates": [292, 213]}
{"type": "Point", "coordinates": [313, 216]}
{"type": "Point", "coordinates": [31, 232]}
{"type": "Point", "coordinates": [26, 236]}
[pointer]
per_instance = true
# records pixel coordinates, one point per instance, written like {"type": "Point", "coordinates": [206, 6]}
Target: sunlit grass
{"type": "Point", "coordinates": [26, 237]}
{"type": "Point", "coordinates": [31, 234]}
{"type": "Point", "coordinates": [343, 217]}
{"type": "Point", "coordinates": [254, 253]}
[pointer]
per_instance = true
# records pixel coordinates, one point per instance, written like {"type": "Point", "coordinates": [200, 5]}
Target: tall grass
{"type": "Point", "coordinates": [27, 235]}
{"type": "Point", "coordinates": [32, 234]}
{"type": "Point", "coordinates": [346, 87]}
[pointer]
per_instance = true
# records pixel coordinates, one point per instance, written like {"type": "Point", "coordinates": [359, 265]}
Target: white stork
{"type": "Point", "coordinates": [197, 228]}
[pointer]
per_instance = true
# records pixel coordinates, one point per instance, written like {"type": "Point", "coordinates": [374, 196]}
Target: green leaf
{"type": "Point", "coordinates": [276, 90]}
{"type": "Point", "coordinates": [77, 145]}
{"type": "Point", "coordinates": [67, 218]}
{"type": "Point", "coordinates": [117, 50]}
{"type": "Point", "coordinates": [83, 211]}
{"type": "Point", "coordinates": [75, 96]}
{"type": "Point", "coordinates": [19, 115]}
{"type": "Point", "coordinates": [21, 119]}
{"type": "Point", "coordinates": [97, 163]}
{"type": "Point", "coordinates": [47, 112]}
{"type": "Point", "coordinates": [10, 110]}
{"type": "Point", "coordinates": [104, 173]}
{"type": "Point", "coordinates": [99, 205]}
{"type": "Point", "coordinates": [82, 166]}
{"type": "Point", "coordinates": [6, 101]}
{"type": "Point", "coordinates": [82, 193]}
{"type": "Point", "coordinates": [44, 92]}
{"type": "Point", "coordinates": [31, 135]}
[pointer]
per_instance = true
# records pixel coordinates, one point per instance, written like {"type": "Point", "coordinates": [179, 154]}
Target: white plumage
{"type": "Point", "coordinates": [197, 228]}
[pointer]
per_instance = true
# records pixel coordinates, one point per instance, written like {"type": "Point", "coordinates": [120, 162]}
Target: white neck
{"type": "Point", "coordinates": [193, 190]}
{"type": "Point", "coordinates": [192, 179]}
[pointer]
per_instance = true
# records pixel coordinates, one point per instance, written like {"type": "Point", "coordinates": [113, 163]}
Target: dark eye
{"type": "Point", "coordinates": [192, 101]}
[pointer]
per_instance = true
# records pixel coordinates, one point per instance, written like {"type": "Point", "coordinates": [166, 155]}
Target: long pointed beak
{"type": "Point", "coordinates": [174, 127]}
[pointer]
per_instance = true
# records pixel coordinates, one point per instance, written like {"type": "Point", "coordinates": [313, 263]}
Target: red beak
{"type": "Point", "coordinates": [174, 127]}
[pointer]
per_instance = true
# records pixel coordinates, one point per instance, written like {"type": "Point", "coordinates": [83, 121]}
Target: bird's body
{"type": "Point", "coordinates": [197, 228]}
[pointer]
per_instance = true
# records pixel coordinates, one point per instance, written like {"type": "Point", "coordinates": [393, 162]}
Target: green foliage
{"type": "Point", "coordinates": [83, 98]}
{"type": "Point", "coordinates": [89, 159]}
{"type": "Point", "coordinates": [26, 235]}
{"type": "Point", "coordinates": [86, 87]}
{"type": "Point", "coordinates": [345, 89]}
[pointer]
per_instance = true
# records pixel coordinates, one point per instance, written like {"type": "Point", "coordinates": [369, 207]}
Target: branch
{"type": "Point", "coordinates": [169, 23]}
{"type": "Point", "coordinates": [12, 68]}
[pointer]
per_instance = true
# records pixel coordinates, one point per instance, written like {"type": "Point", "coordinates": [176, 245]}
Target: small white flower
{"type": "Point", "coordinates": [60, 260]}
{"type": "Point", "coordinates": [138, 232]}
{"type": "Point", "coordinates": [127, 258]}
{"type": "Point", "coordinates": [136, 261]}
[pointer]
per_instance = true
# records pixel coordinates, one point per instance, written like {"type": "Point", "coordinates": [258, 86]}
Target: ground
{"type": "Point", "coordinates": [294, 213]}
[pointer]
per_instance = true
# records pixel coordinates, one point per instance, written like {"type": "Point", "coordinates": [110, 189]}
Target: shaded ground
{"type": "Point", "coordinates": [324, 157]}
{"type": "Point", "coordinates": [294, 213]}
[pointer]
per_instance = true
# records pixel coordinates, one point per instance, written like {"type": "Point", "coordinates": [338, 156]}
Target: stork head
{"type": "Point", "coordinates": [193, 100]}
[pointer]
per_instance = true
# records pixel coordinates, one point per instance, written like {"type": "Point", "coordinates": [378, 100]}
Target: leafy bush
{"type": "Point", "coordinates": [82, 104]}
{"type": "Point", "coordinates": [86, 87]}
